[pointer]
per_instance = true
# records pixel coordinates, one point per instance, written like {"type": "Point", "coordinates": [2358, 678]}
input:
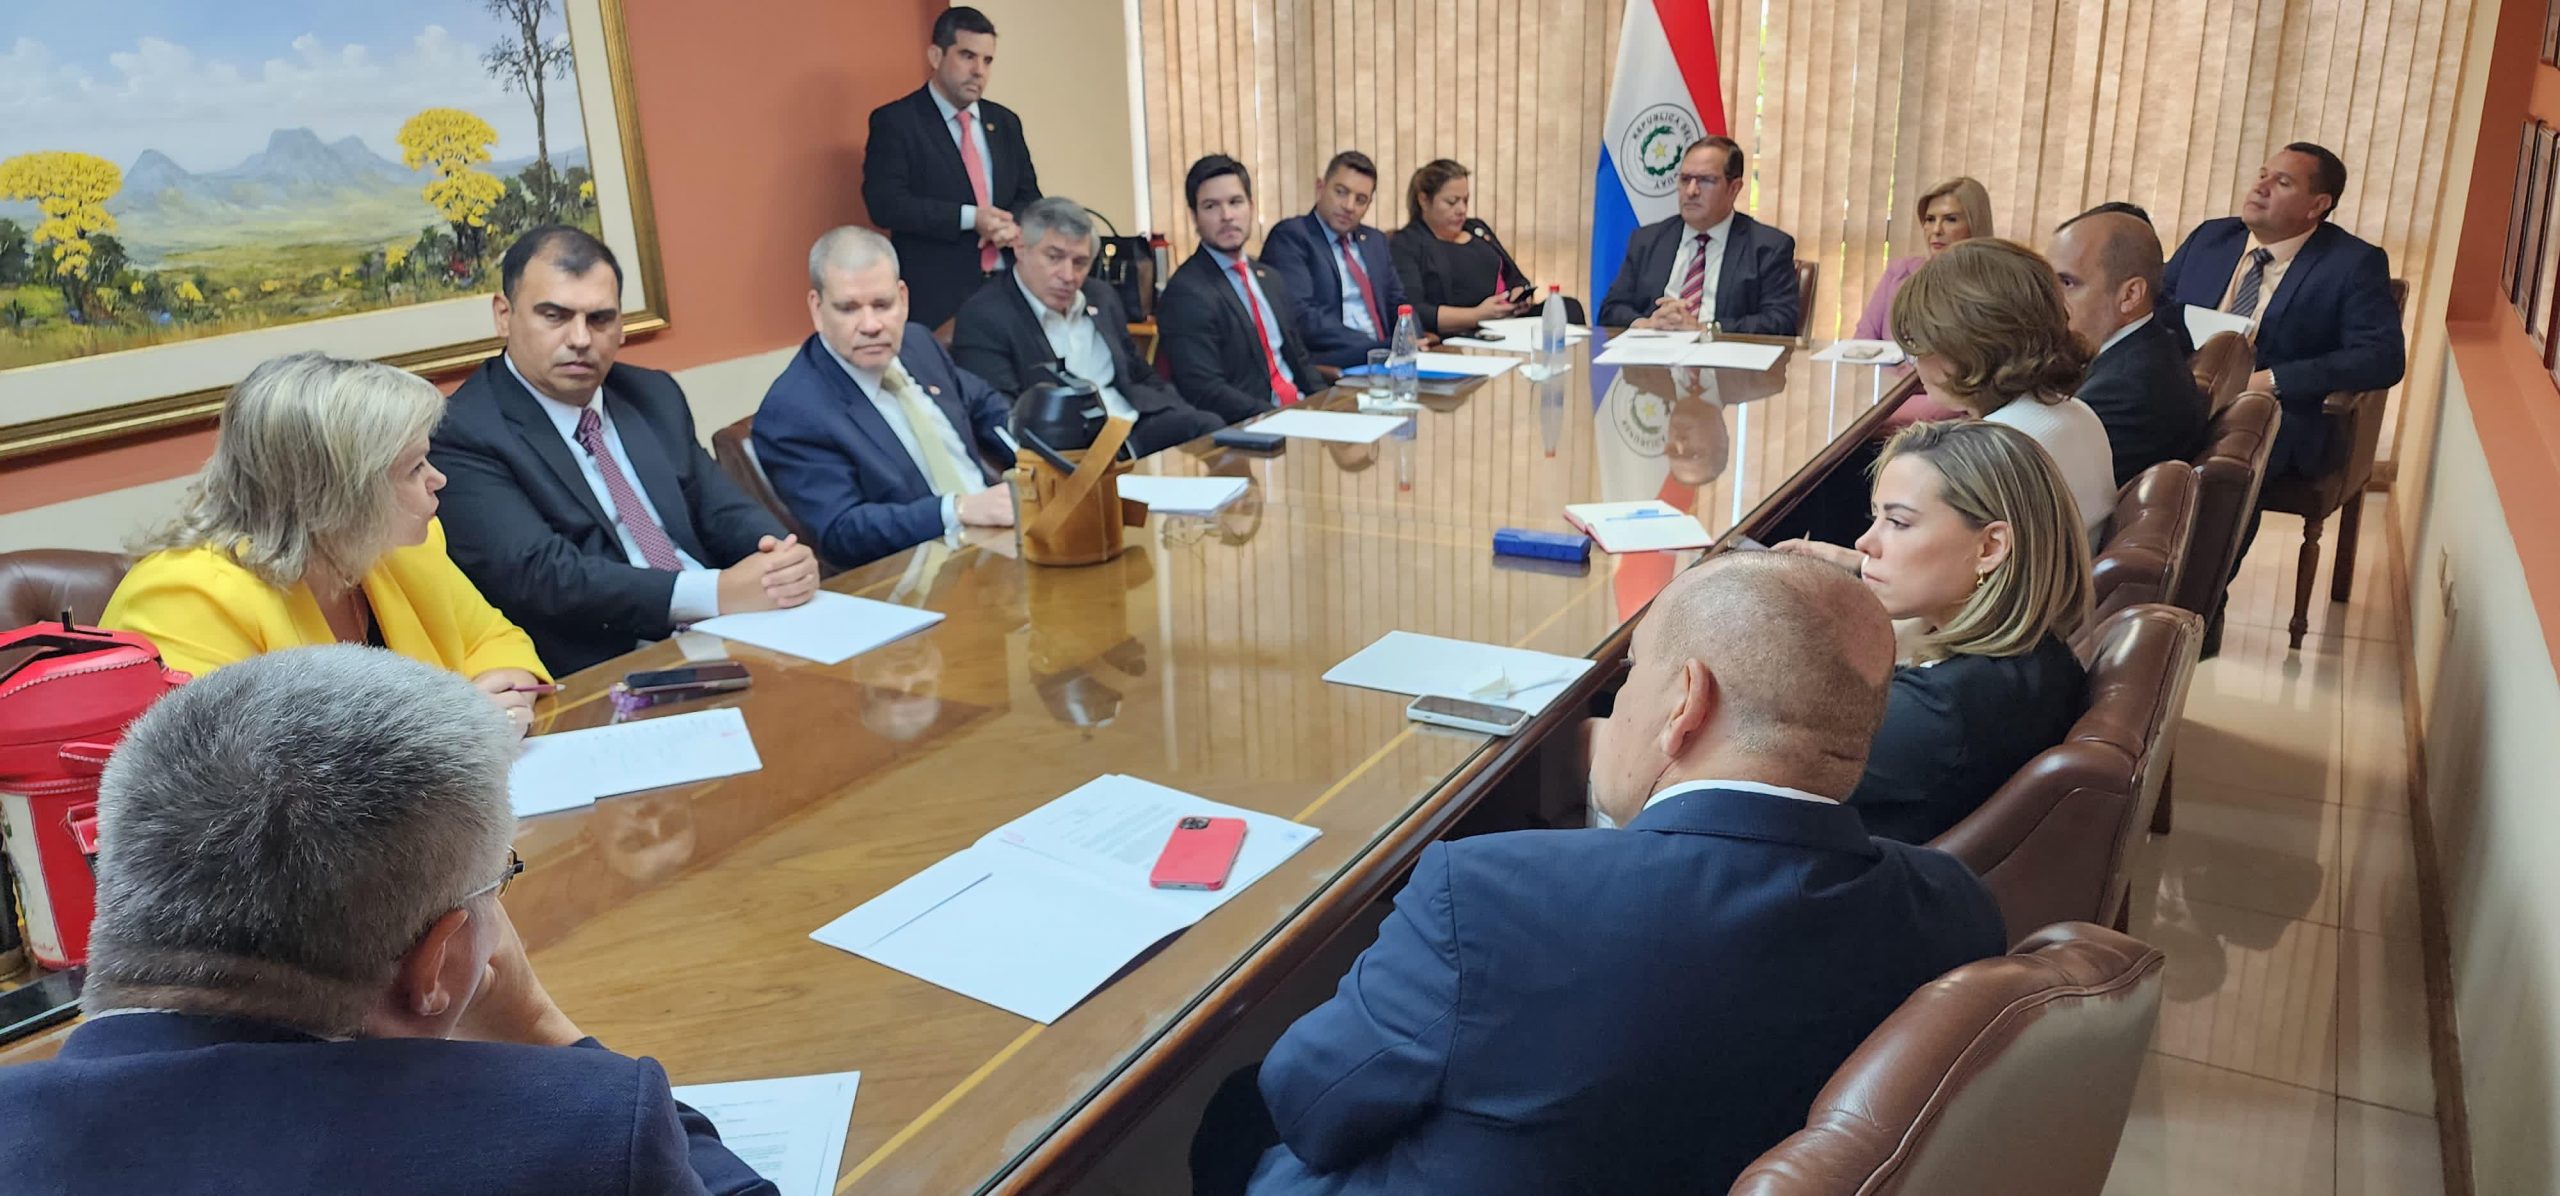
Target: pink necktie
{"type": "Point", "coordinates": [655, 548]}
{"type": "Point", "coordinates": [1694, 287]}
{"type": "Point", "coordinates": [1360, 276]}
{"type": "Point", "coordinates": [987, 259]}
{"type": "Point", "coordinates": [1283, 391]}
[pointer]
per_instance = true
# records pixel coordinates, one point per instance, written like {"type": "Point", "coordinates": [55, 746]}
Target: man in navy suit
{"type": "Point", "coordinates": [1228, 324]}
{"type": "Point", "coordinates": [947, 171]}
{"type": "Point", "coordinates": [2138, 382]}
{"type": "Point", "coordinates": [1340, 272]}
{"type": "Point", "coordinates": [2320, 295]}
{"type": "Point", "coordinates": [872, 435]}
{"type": "Point", "coordinates": [301, 978]}
{"type": "Point", "coordinates": [1709, 263]}
{"type": "Point", "coordinates": [1648, 1009]}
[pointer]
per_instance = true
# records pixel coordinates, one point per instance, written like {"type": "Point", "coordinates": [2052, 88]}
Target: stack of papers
{"type": "Point", "coordinates": [1630, 348]}
{"type": "Point", "coordinates": [2203, 322]}
{"type": "Point", "coordinates": [1041, 911]}
{"type": "Point", "coordinates": [568, 769]}
{"type": "Point", "coordinates": [1298, 423]}
{"type": "Point", "coordinates": [830, 628]}
{"type": "Point", "coordinates": [1648, 526]}
{"type": "Point", "coordinates": [1463, 365]}
{"type": "Point", "coordinates": [791, 1130]}
{"type": "Point", "coordinates": [1405, 662]}
{"type": "Point", "coordinates": [1858, 352]}
{"type": "Point", "coordinates": [1181, 496]}
{"type": "Point", "coordinates": [1519, 334]}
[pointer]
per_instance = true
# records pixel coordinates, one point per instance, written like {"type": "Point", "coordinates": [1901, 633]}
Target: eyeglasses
{"type": "Point", "coordinates": [515, 868]}
{"type": "Point", "coordinates": [1701, 180]}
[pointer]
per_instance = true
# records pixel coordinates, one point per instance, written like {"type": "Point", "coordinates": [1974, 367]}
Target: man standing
{"type": "Point", "coordinates": [576, 495]}
{"type": "Point", "coordinates": [1228, 323]}
{"type": "Point", "coordinates": [2138, 383]}
{"type": "Point", "coordinates": [1710, 265]}
{"type": "Point", "coordinates": [1049, 313]}
{"type": "Point", "coordinates": [946, 171]}
{"type": "Point", "coordinates": [872, 435]}
{"type": "Point", "coordinates": [1341, 271]}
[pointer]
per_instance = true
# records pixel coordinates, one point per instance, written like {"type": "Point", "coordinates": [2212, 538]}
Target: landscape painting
{"type": "Point", "coordinates": [186, 189]}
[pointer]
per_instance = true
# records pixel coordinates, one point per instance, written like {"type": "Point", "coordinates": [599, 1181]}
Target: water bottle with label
{"type": "Point", "coordinates": [1551, 333]}
{"type": "Point", "coordinates": [1404, 355]}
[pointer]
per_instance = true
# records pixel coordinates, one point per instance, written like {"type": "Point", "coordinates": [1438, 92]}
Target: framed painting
{"type": "Point", "coordinates": [189, 190]}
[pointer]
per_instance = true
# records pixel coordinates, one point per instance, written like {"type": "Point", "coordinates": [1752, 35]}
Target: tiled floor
{"type": "Point", "coordinates": [2292, 1052]}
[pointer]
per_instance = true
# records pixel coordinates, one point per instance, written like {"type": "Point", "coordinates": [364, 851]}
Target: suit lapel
{"type": "Point", "coordinates": [944, 389]}
{"type": "Point", "coordinates": [1729, 271]}
{"type": "Point", "coordinates": [2295, 274]}
{"type": "Point", "coordinates": [2214, 267]}
{"type": "Point", "coordinates": [862, 415]}
{"type": "Point", "coordinates": [518, 405]}
{"type": "Point", "coordinates": [1036, 337]}
{"type": "Point", "coordinates": [655, 473]}
{"type": "Point", "coordinates": [997, 165]}
{"type": "Point", "coordinates": [1226, 290]}
{"type": "Point", "coordinates": [1266, 278]}
{"type": "Point", "coordinates": [1666, 250]}
{"type": "Point", "coordinates": [944, 147]}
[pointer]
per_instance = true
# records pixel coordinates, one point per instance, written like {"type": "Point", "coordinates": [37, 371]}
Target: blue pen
{"type": "Point", "coordinates": [1647, 513]}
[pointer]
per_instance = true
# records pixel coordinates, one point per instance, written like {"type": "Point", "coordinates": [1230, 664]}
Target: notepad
{"type": "Point", "coordinates": [830, 628]}
{"type": "Point", "coordinates": [1861, 352]}
{"type": "Point", "coordinates": [1733, 355]}
{"type": "Point", "coordinates": [1298, 423]}
{"type": "Point", "coordinates": [1406, 662]}
{"type": "Point", "coordinates": [1041, 911]}
{"type": "Point", "coordinates": [1181, 496]}
{"type": "Point", "coordinates": [2204, 322]}
{"type": "Point", "coordinates": [1648, 526]}
{"type": "Point", "coordinates": [1464, 365]}
{"type": "Point", "coordinates": [788, 1130]}
{"type": "Point", "coordinates": [568, 769]}
{"type": "Point", "coordinates": [1628, 349]}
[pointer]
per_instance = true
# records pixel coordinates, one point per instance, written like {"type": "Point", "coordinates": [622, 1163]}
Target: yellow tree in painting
{"type": "Point", "coordinates": [72, 190]}
{"type": "Point", "coordinates": [451, 141]}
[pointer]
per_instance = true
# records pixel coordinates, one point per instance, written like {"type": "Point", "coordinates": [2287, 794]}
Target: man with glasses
{"type": "Point", "coordinates": [301, 978]}
{"type": "Point", "coordinates": [1710, 266]}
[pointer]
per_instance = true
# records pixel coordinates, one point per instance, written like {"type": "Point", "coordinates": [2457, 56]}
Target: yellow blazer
{"type": "Point", "coordinates": [205, 611]}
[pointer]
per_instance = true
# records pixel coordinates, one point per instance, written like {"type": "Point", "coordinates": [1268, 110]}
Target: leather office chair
{"type": "Point", "coordinates": [1808, 279]}
{"type": "Point", "coordinates": [2147, 538]}
{"type": "Point", "coordinates": [2228, 474]}
{"type": "Point", "coordinates": [41, 583]}
{"type": "Point", "coordinates": [735, 449]}
{"type": "Point", "coordinates": [2053, 842]}
{"type": "Point", "coordinates": [2222, 367]}
{"type": "Point", "coordinates": [2011, 1074]}
{"type": "Point", "coordinates": [2354, 430]}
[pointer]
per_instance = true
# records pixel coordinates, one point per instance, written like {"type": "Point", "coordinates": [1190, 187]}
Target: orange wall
{"type": "Point", "coordinates": [753, 127]}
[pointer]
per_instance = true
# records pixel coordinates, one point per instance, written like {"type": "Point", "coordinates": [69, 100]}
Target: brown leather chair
{"type": "Point", "coordinates": [2147, 538]}
{"type": "Point", "coordinates": [2354, 427]}
{"type": "Point", "coordinates": [41, 583]}
{"type": "Point", "coordinates": [2053, 842]}
{"type": "Point", "coordinates": [1808, 281]}
{"type": "Point", "coordinates": [735, 449]}
{"type": "Point", "coordinates": [2222, 367]}
{"type": "Point", "coordinates": [2011, 1074]}
{"type": "Point", "coordinates": [2228, 474]}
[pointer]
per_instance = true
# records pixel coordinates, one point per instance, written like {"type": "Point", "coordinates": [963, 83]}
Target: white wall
{"type": "Point", "coordinates": [1064, 67]}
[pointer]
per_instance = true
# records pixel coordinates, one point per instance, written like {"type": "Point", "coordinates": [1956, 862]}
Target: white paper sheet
{"type": "Point", "coordinates": [1461, 363]}
{"type": "Point", "coordinates": [1525, 329]}
{"type": "Point", "coordinates": [1406, 662]}
{"type": "Point", "coordinates": [830, 628]}
{"type": "Point", "coordinates": [1733, 355]}
{"type": "Point", "coordinates": [1343, 426]}
{"type": "Point", "coordinates": [568, 769]}
{"type": "Point", "coordinates": [1181, 496]}
{"type": "Point", "coordinates": [1113, 827]}
{"type": "Point", "coordinates": [790, 1130]}
{"type": "Point", "coordinates": [2203, 322]}
{"type": "Point", "coordinates": [1861, 352]}
{"type": "Point", "coordinates": [1626, 350]}
{"type": "Point", "coordinates": [1648, 526]}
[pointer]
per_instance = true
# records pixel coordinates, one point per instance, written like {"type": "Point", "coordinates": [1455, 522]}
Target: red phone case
{"type": "Point", "coordinates": [1199, 854]}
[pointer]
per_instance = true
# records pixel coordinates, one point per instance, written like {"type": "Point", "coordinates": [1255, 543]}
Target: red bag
{"type": "Point", "coordinates": [65, 699]}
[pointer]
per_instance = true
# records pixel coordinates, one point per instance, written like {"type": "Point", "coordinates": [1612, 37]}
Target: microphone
{"type": "Point", "coordinates": [1481, 229]}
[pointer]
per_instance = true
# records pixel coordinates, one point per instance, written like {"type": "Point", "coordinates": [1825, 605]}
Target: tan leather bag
{"type": "Point", "coordinates": [1077, 518]}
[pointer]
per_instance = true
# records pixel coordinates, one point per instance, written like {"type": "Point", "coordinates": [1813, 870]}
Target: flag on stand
{"type": "Point", "coordinates": [1664, 95]}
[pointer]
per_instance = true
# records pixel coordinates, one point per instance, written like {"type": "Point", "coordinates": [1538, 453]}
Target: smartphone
{"type": "Point", "coordinates": [1467, 715]}
{"type": "Point", "coordinates": [46, 1001]}
{"type": "Point", "coordinates": [1199, 854]}
{"type": "Point", "coordinates": [1248, 440]}
{"type": "Point", "coordinates": [714, 677]}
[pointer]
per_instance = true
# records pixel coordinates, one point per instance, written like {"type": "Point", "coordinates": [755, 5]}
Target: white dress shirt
{"type": "Point", "coordinates": [1270, 318]}
{"type": "Point", "coordinates": [2077, 441]}
{"type": "Point", "coordinates": [2285, 251]}
{"type": "Point", "coordinates": [1743, 786]}
{"type": "Point", "coordinates": [1355, 312]}
{"type": "Point", "coordinates": [1718, 237]}
{"type": "Point", "coordinates": [874, 386]}
{"type": "Point", "coordinates": [1079, 342]}
{"type": "Point", "coordinates": [697, 592]}
{"type": "Point", "coordinates": [986, 157]}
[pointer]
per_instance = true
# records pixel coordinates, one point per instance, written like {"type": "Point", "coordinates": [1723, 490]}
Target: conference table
{"type": "Point", "coordinates": [676, 923]}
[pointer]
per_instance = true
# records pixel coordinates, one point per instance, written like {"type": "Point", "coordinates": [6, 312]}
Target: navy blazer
{"type": "Point", "coordinates": [2330, 327]}
{"type": "Point", "coordinates": [521, 521]}
{"type": "Point", "coordinates": [2144, 392]}
{"type": "Point", "coordinates": [169, 1102]}
{"type": "Point", "coordinates": [836, 464]}
{"type": "Point", "coordinates": [1301, 249]}
{"type": "Point", "coordinates": [1613, 1011]}
{"type": "Point", "coordinates": [914, 185]}
{"type": "Point", "coordinates": [1214, 346]}
{"type": "Point", "coordinates": [1755, 293]}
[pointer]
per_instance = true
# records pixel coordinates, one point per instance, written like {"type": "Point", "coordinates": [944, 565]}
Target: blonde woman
{"type": "Point", "coordinates": [315, 523]}
{"type": "Point", "coordinates": [1958, 209]}
{"type": "Point", "coordinates": [1986, 330]}
{"type": "Point", "coordinates": [1977, 553]}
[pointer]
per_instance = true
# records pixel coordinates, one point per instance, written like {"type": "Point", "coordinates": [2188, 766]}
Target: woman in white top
{"type": "Point", "coordinates": [1986, 330]}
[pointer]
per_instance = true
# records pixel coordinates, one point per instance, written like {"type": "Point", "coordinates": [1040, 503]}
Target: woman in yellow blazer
{"type": "Point", "coordinates": [315, 522]}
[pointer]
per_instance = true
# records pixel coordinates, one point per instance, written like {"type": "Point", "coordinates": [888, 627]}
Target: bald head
{"type": "Point", "coordinates": [2098, 257]}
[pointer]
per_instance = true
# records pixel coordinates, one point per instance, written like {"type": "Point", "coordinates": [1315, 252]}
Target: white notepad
{"type": "Point", "coordinates": [1460, 363]}
{"type": "Point", "coordinates": [789, 1130]}
{"type": "Point", "coordinates": [1733, 355]}
{"type": "Point", "coordinates": [568, 769]}
{"type": "Point", "coordinates": [1343, 426]}
{"type": "Point", "coordinates": [1407, 662]}
{"type": "Point", "coordinates": [829, 628]}
{"type": "Point", "coordinates": [1181, 496]}
{"type": "Point", "coordinates": [1648, 526]}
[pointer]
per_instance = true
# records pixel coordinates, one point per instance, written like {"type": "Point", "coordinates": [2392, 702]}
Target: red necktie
{"type": "Point", "coordinates": [987, 260]}
{"type": "Point", "coordinates": [633, 514]}
{"type": "Point", "coordinates": [1694, 288]}
{"type": "Point", "coordinates": [1283, 392]}
{"type": "Point", "coordinates": [1360, 278]}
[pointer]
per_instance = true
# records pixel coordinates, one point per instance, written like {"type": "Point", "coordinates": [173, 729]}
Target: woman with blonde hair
{"type": "Point", "coordinates": [1956, 209]}
{"type": "Point", "coordinates": [314, 522]}
{"type": "Point", "coordinates": [1986, 330]}
{"type": "Point", "coordinates": [1977, 552]}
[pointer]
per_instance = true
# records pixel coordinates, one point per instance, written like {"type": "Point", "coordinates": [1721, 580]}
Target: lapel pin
{"type": "Point", "coordinates": [933, 390]}
{"type": "Point", "coordinates": [1091, 310]}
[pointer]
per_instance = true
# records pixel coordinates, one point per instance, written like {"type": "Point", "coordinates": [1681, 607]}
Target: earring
{"type": "Point", "coordinates": [1980, 578]}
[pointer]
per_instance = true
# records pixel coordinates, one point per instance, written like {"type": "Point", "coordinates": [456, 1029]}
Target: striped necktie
{"type": "Point", "coordinates": [2244, 302]}
{"type": "Point", "coordinates": [1693, 289]}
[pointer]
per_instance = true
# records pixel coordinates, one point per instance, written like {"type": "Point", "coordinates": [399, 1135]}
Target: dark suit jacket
{"type": "Point", "coordinates": [998, 337]}
{"type": "Point", "coordinates": [1613, 1011]}
{"type": "Point", "coordinates": [1755, 293]}
{"type": "Point", "coordinates": [2331, 327]}
{"type": "Point", "coordinates": [524, 525]}
{"type": "Point", "coordinates": [165, 1102]}
{"type": "Point", "coordinates": [1301, 249]}
{"type": "Point", "coordinates": [1215, 346]}
{"type": "Point", "coordinates": [1955, 731]}
{"type": "Point", "coordinates": [914, 185]}
{"type": "Point", "coordinates": [838, 466]}
{"type": "Point", "coordinates": [2144, 393]}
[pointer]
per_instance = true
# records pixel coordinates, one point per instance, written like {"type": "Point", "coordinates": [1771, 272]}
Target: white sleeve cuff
{"type": "Point", "coordinates": [950, 515]}
{"type": "Point", "coordinates": [697, 597]}
{"type": "Point", "coordinates": [968, 218]}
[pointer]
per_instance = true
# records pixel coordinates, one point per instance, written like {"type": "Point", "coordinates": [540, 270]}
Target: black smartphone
{"type": "Point", "coordinates": [1248, 440]}
{"type": "Point", "coordinates": [46, 1001]}
{"type": "Point", "coordinates": [715, 677]}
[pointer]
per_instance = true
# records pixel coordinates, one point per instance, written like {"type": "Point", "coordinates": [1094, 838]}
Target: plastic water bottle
{"type": "Point", "coordinates": [1551, 333]}
{"type": "Point", "coordinates": [1404, 356]}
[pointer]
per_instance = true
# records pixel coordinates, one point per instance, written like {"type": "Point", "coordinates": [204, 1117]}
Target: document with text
{"type": "Point", "coordinates": [790, 1130]}
{"type": "Point", "coordinates": [568, 769]}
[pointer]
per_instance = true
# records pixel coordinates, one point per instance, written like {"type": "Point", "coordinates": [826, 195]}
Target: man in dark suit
{"type": "Point", "coordinates": [873, 436]}
{"type": "Point", "coordinates": [1342, 272]}
{"type": "Point", "coordinates": [2138, 383]}
{"type": "Point", "coordinates": [1048, 313]}
{"type": "Point", "coordinates": [946, 171]}
{"type": "Point", "coordinates": [301, 978]}
{"type": "Point", "coordinates": [1642, 1010]}
{"type": "Point", "coordinates": [576, 495]}
{"type": "Point", "coordinates": [2321, 297]}
{"type": "Point", "coordinates": [1228, 323]}
{"type": "Point", "coordinates": [1674, 265]}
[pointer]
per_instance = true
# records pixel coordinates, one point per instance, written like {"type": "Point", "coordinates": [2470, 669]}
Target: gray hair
{"type": "Point", "coordinates": [276, 835]}
{"type": "Point", "coordinates": [850, 248]}
{"type": "Point", "coordinates": [1055, 213]}
{"type": "Point", "coordinates": [301, 471]}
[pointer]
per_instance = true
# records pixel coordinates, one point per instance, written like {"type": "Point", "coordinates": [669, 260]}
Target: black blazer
{"type": "Point", "coordinates": [1955, 731]}
{"type": "Point", "coordinates": [2144, 393]}
{"type": "Point", "coordinates": [1301, 249]}
{"type": "Point", "coordinates": [998, 337]}
{"type": "Point", "coordinates": [914, 184]}
{"type": "Point", "coordinates": [1214, 345]}
{"type": "Point", "coordinates": [521, 521]}
{"type": "Point", "coordinates": [1755, 293]}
